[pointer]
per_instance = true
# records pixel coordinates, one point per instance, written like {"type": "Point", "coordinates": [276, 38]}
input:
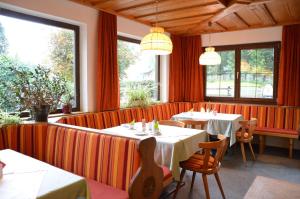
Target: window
{"type": "Point", "coordinates": [247, 73]}
{"type": "Point", "coordinates": [138, 72]}
{"type": "Point", "coordinates": [28, 41]}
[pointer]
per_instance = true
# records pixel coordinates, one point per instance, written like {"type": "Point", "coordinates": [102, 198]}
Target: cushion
{"type": "Point", "coordinates": [102, 191]}
{"type": "Point", "coordinates": [196, 162]}
{"type": "Point", "coordinates": [168, 177]}
{"type": "Point", "coordinates": [277, 130]}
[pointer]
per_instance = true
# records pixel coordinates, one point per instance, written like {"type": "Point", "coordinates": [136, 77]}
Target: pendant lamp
{"type": "Point", "coordinates": [210, 56]}
{"type": "Point", "coordinates": [156, 42]}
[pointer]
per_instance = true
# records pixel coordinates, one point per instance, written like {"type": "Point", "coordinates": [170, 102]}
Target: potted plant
{"type": "Point", "coordinates": [38, 90]}
{"type": "Point", "coordinates": [6, 118]}
{"type": "Point", "coordinates": [138, 97]}
{"type": "Point", "coordinates": [67, 103]}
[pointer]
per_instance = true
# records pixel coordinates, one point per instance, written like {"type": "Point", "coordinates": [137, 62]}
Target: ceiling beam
{"type": "Point", "coordinates": [140, 5]}
{"type": "Point", "coordinates": [223, 27]}
{"type": "Point", "coordinates": [269, 14]}
{"type": "Point", "coordinates": [241, 19]}
{"type": "Point", "coordinates": [176, 9]}
{"type": "Point", "coordinates": [188, 17]}
{"type": "Point", "coordinates": [197, 32]}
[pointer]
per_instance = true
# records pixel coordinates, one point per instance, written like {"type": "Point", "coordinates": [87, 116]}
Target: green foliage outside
{"type": "Point", "coordinates": [23, 85]}
{"type": "Point", "coordinates": [3, 41]}
{"type": "Point", "coordinates": [126, 57]}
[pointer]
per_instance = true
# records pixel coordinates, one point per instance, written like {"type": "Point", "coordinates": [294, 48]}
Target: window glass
{"type": "Point", "coordinates": [220, 78]}
{"type": "Point", "coordinates": [257, 71]}
{"type": "Point", "coordinates": [138, 72]}
{"type": "Point", "coordinates": [26, 43]}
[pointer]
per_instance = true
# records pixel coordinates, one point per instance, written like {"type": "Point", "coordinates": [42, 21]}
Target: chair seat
{"type": "Point", "coordinates": [277, 130]}
{"type": "Point", "coordinates": [102, 191]}
{"type": "Point", "coordinates": [168, 177]}
{"type": "Point", "coordinates": [196, 162]}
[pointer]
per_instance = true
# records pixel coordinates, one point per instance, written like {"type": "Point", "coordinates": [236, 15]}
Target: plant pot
{"type": "Point", "coordinates": [67, 108]}
{"type": "Point", "coordinates": [40, 113]}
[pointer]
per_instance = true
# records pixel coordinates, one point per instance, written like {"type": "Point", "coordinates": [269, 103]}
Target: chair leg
{"type": "Point", "coordinates": [243, 151]}
{"type": "Point", "coordinates": [204, 177]}
{"type": "Point", "coordinates": [261, 144]}
{"type": "Point", "coordinates": [290, 148]}
{"type": "Point", "coordinates": [252, 152]}
{"type": "Point", "coordinates": [178, 183]}
{"type": "Point", "coordinates": [220, 185]}
{"type": "Point", "coordinates": [193, 180]}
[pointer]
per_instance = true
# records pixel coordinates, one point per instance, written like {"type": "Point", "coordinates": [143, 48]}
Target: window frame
{"type": "Point", "coordinates": [237, 80]}
{"type": "Point", "coordinates": [157, 78]}
{"type": "Point", "coordinates": [59, 24]}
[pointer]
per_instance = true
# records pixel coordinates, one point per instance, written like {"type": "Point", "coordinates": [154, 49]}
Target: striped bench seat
{"type": "Point", "coordinates": [277, 121]}
{"type": "Point", "coordinates": [101, 158]}
{"type": "Point", "coordinates": [107, 119]}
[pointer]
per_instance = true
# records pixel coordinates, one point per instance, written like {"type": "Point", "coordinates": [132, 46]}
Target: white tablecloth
{"type": "Point", "coordinates": [173, 145]}
{"type": "Point", "coordinates": [220, 123]}
{"type": "Point", "coordinates": [27, 178]}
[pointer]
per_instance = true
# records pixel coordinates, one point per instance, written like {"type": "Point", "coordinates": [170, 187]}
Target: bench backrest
{"type": "Point", "coordinates": [267, 115]}
{"type": "Point", "coordinates": [107, 159]}
{"type": "Point", "coordinates": [109, 119]}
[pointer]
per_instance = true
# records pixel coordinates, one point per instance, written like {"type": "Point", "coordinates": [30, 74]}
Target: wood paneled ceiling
{"type": "Point", "coordinates": [191, 17]}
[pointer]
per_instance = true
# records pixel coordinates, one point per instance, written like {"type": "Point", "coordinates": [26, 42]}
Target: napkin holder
{"type": "Point", "coordinates": [2, 165]}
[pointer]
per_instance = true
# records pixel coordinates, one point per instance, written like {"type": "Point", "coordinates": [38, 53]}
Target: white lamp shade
{"type": "Point", "coordinates": [156, 42]}
{"type": "Point", "coordinates": [210, 57]}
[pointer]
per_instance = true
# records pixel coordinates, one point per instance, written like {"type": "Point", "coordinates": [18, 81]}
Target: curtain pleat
{"type": "Point", "coordinates": [107, 73]}
{"type": "Point", "coordinates": [186, 82]}
{"type": "Point", "coordinates": [289, 71]}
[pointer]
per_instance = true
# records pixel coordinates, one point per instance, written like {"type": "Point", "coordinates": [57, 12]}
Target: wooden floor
{"type": "Point", "coordinates": [237, 178]}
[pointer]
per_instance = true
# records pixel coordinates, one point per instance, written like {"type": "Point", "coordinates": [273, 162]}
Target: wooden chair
{"type": "Point", "coordinates": [195, 123]}
{"type": "Point", "coordinates": [148, 180]}
{"type": "Point", "coordinates": [205, 163]}
{"type": "Point", "coordinates": [172, 123]}
{"type": "Point", "coordinates": [245, 135]}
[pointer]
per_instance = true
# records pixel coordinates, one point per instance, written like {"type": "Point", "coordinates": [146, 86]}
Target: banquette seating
{"type": "Point", "coordinates": [109, 163]}
{"type": "Point", "coordinates": [272, 120]}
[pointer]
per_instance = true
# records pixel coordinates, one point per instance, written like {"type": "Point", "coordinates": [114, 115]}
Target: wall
{"type": "Point", "coordinates": [243, 37]}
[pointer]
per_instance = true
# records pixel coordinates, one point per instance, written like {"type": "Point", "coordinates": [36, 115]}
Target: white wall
{"type": "Point", "coordinates": [243, 37]}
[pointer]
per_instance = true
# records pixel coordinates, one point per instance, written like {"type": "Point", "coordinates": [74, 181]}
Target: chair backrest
{"type": "Point", "coordinates": [148, 180]}
{"type": "Point", "coordinates": [195, 123]}
{"type": "Point", "coordinates": [172, 123]}
{"type": "Point", "coordinates": [219, 146]}
{"type": "Point", "coordinates": [247, 126]}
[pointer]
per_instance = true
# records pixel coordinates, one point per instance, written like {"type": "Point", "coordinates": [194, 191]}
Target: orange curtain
{"type": "Point", "coordinates": [289, 71]}
{"type": "Point", "coordinates": [185, 74]}
{"type": "Point", "coordinates": [107, 73]}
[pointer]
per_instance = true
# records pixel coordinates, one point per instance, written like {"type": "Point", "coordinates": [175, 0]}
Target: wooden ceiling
{"type": "Point", "coordinates": [191, 17]}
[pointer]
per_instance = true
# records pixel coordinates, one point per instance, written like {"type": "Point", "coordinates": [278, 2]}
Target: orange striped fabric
{"type": "Point", "coordinates": [26, 138]}
{"type": "Point", "coordinates": [50, 144]}
{"type": "Point", "coordinates": [148, 113]}
{"type": "Point", "coordinates": [80, 120]}
{"type": "Point", "coordinates": [114, 118]}
{"type": "Point", "coordinates": [137, 114]}
{"type": "Point", "coordinates": [90, 121]}
{"type": "Point", "coordinates": [98, 119]}
{"type": "Point", "coordinates": [127, 114]}
{"type": "Point", "coordinates": [2, 146]}
{"type": "Point", "coordinates": [69, 150]}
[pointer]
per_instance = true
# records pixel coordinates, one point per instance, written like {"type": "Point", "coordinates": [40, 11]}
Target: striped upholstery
{"type": "Point", "coordinates": [28, 139]}
{"type": "Point", "coordinates": [107, 159]}
{"type": "Point", "coordinates": [267, 116]}
{"type": "Point", "coordinates": [109, 119]}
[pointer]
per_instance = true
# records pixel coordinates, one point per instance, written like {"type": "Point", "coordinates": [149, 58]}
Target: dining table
{"type": "Point", "coordinates": [218, 123]}
{"type": "Point", "coordinates": [27, 178]}
{"type": "Point", "coordinates": [173, 144]}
